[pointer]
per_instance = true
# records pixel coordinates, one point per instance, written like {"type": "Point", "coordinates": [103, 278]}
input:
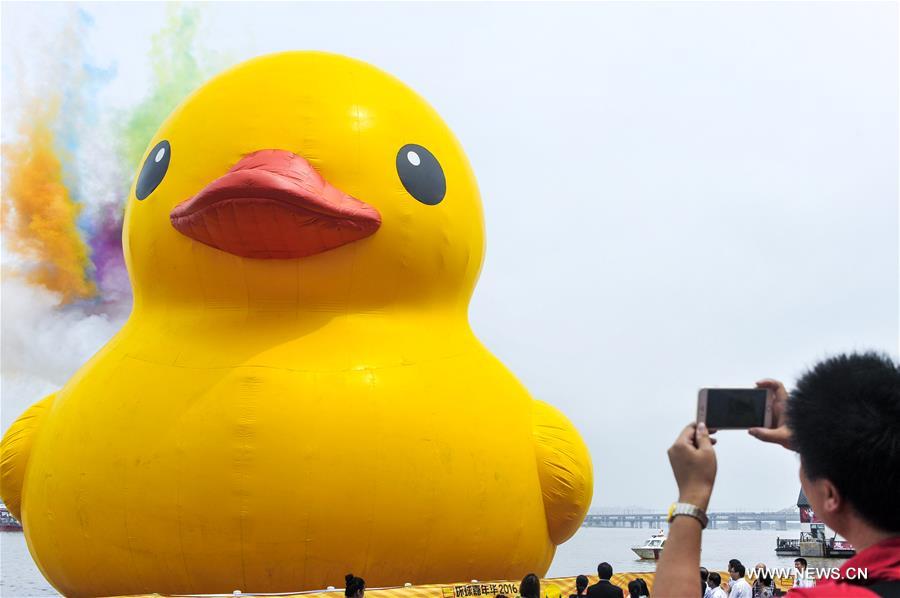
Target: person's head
{"type": "Point", "coordinates": [762, 574]}
{"type": "Point", "coordinates": [581, 584]}
{"type": "Point", "coordinates": [704, 574]}
{"type": "Point", "coordinates": [530, 586]}
{"type": "Point", "coordinates": [844, 416]}
{"type": "Point", "coordinates": [634, 589]}
{"type": "Point", "coordinates": [604, 570]}
{"type": "Point", "coordinates": [645, 591]}
{"type": "Point", "coordinates": [715, 580]}
{"type": "Point", "coordinates": [356, 586]}
{"type": "Point", "coordinates": [732, 563]}
{"type": "Point", "coordinates": [737, 570]}
{"type": "Point", "coordinates": [800, 564]}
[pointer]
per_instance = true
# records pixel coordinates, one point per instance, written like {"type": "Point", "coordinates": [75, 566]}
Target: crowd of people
{"type": "Point", "coordinates": [604, 588]}
{"type": "Point", "coordinates": [761, 586]}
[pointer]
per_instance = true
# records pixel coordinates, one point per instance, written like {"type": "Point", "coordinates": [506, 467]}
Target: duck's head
{"type": "Point", "coordinates": [304, 180]}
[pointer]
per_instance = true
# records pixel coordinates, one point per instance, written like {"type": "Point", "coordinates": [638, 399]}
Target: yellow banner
{"type": "Point", "coordinates": [551, 587]}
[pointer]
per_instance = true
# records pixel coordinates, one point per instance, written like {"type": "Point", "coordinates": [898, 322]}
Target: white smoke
{"type": "Point", "coordinates": [43, 344]}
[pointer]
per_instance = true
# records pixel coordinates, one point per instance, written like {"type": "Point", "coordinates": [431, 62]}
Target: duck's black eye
{"type": "Point", "coordinates": [154, 169]}
{"type": "Point", "coordinates": [421, 174]}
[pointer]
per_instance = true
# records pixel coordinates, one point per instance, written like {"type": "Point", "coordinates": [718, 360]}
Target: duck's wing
{"type": "Point", "coordinates": [564, 468]}
{"type": "Point", "coordinates": [14, 452]}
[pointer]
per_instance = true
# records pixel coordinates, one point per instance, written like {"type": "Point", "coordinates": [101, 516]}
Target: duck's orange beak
{"type": "Point", "coordinates": [274, 205]}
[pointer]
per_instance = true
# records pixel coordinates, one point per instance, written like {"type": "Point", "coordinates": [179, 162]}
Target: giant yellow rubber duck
{"type": "Point", "coordinates": [297, 392]}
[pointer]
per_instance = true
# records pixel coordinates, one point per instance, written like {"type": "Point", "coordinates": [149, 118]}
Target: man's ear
{"type": "Point", "coordinates": [832, 501]}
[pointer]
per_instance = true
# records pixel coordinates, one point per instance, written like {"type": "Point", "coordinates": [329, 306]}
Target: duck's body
{"type": "Point", "coordinates": [270, 424]}
{"type": "Point", "coordinates": [289, 468]}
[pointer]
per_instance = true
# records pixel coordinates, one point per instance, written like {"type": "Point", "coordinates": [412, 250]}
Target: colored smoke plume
{"type": "Point", "coordinates": [176, 73]}
{"type": "Point", "coordinates": [68, 175]}
{"type": "Point", "coordinates": [39, 215]}
{"type": "Point", "coordinates": [68, 161]}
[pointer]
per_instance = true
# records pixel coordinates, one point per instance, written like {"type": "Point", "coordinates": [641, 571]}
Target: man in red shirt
{"type": "Point", "coordinates": [843, 418]}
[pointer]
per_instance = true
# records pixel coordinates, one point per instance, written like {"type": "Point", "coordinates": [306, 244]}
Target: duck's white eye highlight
{"type": "Point", "coordinates": [162, 152]}
{"type": "Point", "coordinates": [413, 158]}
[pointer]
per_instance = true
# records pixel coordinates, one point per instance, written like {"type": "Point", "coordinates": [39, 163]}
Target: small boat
{"type": "Point", "coordinates": [652, 547]}
{"type": "Point", "coordinates": [8, 523]}
{"type": "Point", "coordinates": [787, 547]}
{"type": "Point", "coordinates": [813, 541]}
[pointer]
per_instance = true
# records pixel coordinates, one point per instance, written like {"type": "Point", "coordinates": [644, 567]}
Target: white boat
{"type": "Point", "coordinates": [652, 547]}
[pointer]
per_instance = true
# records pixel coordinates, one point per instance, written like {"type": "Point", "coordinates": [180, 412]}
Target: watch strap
{"type": "Point", "coordinates": [683, 508]}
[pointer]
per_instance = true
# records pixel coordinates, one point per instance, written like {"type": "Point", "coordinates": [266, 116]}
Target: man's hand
{"type": "Point", "coordinates": [693, 462]}
{"type": "Point", "coordinates": [779, 433]}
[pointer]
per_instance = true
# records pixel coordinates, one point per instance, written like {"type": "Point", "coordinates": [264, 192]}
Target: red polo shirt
{"type": "Point", "coordinates": [881, 561]}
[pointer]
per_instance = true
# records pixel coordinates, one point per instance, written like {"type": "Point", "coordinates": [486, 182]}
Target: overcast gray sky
{"type": "Point", "coordinates": [676, 195]}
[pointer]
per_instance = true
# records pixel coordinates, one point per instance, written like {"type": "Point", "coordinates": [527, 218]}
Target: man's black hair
{"type": "Point", "coordinates": [800, 560]}
{"type": "Point", "coordinates": [354, 584]}
{"type": "Point", "coordinates": [530, 586]}
{"type": "Point", "coordinates": [715, 578]}
{"type": "Point", "coordinates": [739, 569]}
{"type": "Point", "coordinates": [604, 570]}
{"type": "Point", "coordinates": [634, 589]}
{"type": "Point", "coordinates": [844, 415]}
{"type": "Point", "coordinates": [732, 563]}
{"type": "Point", "coordinates": [581, 583]}
{"type": "Point", "coordinates": [704, 573]}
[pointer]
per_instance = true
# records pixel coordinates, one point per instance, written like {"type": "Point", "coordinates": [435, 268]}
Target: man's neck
{"type": "Point", "coordinates": [859, 532]}
{"type": "Point", "coordinates": [865, 536]}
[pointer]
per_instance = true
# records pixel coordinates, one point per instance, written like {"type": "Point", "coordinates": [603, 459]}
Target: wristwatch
{"type": "Point", "coordinates": [683, 508]}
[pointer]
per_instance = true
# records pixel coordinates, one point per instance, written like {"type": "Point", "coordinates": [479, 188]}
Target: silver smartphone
{"type": "Point", "coordinates": [735, 408]}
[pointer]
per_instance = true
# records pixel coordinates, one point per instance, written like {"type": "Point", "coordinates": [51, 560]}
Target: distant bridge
{"type": "Point", "coordinates": [724, 520]}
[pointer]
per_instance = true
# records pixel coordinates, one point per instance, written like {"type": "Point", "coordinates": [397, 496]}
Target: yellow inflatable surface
{"type": "Point", "coordinates": [297, 392]}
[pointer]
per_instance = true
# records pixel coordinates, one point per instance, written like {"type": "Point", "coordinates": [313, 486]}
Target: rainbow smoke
{"type": "Point", "coordinates": [63, 207]}
{"type": "Point", "coordinates": [39, 213]}
{"type": "Point", "coordinates": [176, 74]}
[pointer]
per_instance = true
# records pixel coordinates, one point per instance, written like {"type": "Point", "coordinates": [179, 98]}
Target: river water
{"type": "Point", "coordinates": [20, 578]}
